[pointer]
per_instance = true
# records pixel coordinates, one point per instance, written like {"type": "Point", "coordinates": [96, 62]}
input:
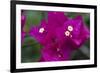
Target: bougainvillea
{"type": "Point", "coordinates": [59, 36]}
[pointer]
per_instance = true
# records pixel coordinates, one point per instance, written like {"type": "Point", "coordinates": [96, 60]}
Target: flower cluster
{"type": "Point", "coordinates": [59, 35]}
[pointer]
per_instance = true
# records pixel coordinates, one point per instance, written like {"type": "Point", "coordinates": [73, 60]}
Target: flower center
{"type": "Point", "coordinates": [67, 33]}
{"type": "Point", "coordinates": [41, 30]}
{"type": "Point", "coordinates": [70, 28]}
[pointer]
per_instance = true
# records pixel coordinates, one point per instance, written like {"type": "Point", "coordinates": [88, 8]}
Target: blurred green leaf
{"type": "Point", "coordinates": [87, 43]}
{"type": "Point", "coordinates": [32, 18]}
{"type": "Point", "coordinates": [87, 19]}
{"type": "Point", "coordinates": [30, 51]}
{"type": "Point", "coordinates": [70, 15]}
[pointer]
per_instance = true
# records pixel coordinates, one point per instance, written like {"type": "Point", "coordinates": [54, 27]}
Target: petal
{"type": "Point", "coordinates": [75, 24]}
{"type": "Point", "coordinates": [56, 19]}
{"type": "Point", "coordinates": [84, 33]}
{"type": "Point", "coordinates": [79, 34]}
{"type": "Point", "coordinates": [35, 32]}
{"type": "Point", "coordinates": [43, 24]}
{"type": "Point", "coordinates": [50, 53]}
{"type": "Point", "coordinates": [50, 38]}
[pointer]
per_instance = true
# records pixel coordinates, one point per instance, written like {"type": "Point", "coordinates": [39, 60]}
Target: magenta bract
{"type": "Point", "coordinates": [60, 35]}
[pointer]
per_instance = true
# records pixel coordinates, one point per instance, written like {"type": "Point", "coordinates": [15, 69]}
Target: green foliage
{"type": "Point", "coordinates": [30, 50]}
{"type": "Point", "coordinates": [32, 18]}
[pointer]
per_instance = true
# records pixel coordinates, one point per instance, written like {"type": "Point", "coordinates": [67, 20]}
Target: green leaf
{"type": "Point", "coordinates": [32, 18]}
{"type": "Point", "coordinates": [30, 50]}
{"type": "Point", "coordinates": [87, 20]}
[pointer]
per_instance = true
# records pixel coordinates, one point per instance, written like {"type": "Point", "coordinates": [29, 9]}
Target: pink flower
{"type": "Point", "coordinates": [60, 35]}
